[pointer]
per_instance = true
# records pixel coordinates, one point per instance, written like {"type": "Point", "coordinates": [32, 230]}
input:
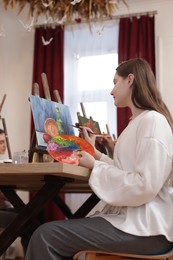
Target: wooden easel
{"type": "Point", "coordinates": [40, 152]}
{"type": "Point", "coordinates": [84, 114]}
{"type": "Point", "coordinates": [34, 148]}
{"type": "Point", "coordinates": [5, 127]}
{"type": "Point", "coordinates": [99, 146]}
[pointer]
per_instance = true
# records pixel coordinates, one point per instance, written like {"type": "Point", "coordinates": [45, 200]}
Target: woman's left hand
{"type": "Point", "coordinates": [86, 160]}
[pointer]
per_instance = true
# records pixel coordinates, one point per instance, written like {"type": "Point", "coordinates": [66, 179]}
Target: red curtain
{"type": "Point", "coordinates": [49, 58]}
{"type": "Point", "coordinates": [136, 40]}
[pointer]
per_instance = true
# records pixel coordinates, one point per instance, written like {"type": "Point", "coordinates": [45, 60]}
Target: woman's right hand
{"type": "Point", "coordinates": [88, 135]}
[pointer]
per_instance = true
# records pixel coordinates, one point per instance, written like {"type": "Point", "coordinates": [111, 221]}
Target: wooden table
{"type": "Point", "coordinates": [47, 180]}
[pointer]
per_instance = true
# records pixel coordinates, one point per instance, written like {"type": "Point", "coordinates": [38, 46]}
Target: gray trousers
{"type": "Point", "coordinates": [62, 239]}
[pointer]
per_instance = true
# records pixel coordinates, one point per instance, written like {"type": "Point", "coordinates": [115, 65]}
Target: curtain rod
{"type": "Point", "coordinates": [149, 13]}
{"type": "Point", "coordinates": [115, 17]}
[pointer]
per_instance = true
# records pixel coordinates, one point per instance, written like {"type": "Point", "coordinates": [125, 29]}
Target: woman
{"type": "Point", "coordinates": [135, 184]}
{"type": "Point", "coordinates": [3, 145]}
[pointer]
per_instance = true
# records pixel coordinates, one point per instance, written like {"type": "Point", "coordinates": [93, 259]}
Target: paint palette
{"type": "Point", "coordinates": [63, 148]}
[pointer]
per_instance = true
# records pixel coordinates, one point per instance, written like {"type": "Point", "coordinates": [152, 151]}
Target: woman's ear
{"type": "Point", "coordinates": [130, 78]}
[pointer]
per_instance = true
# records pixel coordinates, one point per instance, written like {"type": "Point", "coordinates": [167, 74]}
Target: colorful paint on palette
{"type": "Point", "coordinates": [64, 148]}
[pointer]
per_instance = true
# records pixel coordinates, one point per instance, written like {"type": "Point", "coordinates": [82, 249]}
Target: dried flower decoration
{"type": "Point", "coordinates": [67, 11]}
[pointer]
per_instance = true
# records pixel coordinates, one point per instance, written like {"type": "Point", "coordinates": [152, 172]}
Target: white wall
{"type": "Point", "coordinates": [16, 61]}
{"type": "Point", "coordinates": [16, 64]}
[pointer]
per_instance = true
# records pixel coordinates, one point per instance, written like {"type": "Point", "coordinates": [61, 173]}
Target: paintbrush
{"type": "Point", "coordinates": [89, 132]}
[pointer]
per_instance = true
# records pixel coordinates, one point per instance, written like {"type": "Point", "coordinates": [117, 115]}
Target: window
{"type": "Point", "coordinates": [90, 59]}
{"type": "Point", "coordinates": [90, 62]}
{"type": "Point", "coordinates": [95, 82]}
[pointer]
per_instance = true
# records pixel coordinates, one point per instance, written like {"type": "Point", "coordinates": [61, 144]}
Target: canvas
{"type": "Point", "coordinates": [89, 122]}
{"type": "Point", "coordinates": [50, 119]}
{"type": "Point", "coordinates": [94, 126]}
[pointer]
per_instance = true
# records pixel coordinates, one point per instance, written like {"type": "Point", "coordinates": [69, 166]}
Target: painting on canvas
{"type": "Point", "coordinates": [94, 126]}
{"type": "Point", "coordinates": [50, 119]}
{"type": "Point", "coordinates": [89, 122]}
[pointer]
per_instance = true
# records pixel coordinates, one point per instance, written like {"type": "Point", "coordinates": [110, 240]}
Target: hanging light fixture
{"type": "Point", "coordinates": [67, 11]}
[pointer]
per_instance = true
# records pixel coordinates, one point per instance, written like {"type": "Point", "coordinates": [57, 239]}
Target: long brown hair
{"type": "Point", "coordinates": [145, 93]}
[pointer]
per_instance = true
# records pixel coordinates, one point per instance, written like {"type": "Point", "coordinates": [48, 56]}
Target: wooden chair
{"type": "Point", "coordinates": [103, 255]}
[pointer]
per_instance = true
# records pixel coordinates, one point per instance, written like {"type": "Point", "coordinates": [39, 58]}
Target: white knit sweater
{"type": "Point", "coordinates": [135, 184]}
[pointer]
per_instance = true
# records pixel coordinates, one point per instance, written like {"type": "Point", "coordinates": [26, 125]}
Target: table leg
{"type": "Point", "coordinates": [63, 206]}
{"type": "Point", "coordinates": [28, 213]}
{"type": "Point", "coordinates": [86, 207]}
{"type": "Point", "coordinates": [83, 210]}
{"type": "Point", "coordinates": [12, 196]}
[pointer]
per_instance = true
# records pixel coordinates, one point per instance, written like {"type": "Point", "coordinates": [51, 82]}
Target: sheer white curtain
{"type": "Point", "coordinates": [82, 41]}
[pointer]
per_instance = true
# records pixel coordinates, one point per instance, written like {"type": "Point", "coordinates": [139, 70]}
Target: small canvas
{"type": "Point", "coordinates": [89, 122]}
{"type": "Point", "coordinates": [94, 126]}
{"type": "Point", "coordinates": [50, 119]}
